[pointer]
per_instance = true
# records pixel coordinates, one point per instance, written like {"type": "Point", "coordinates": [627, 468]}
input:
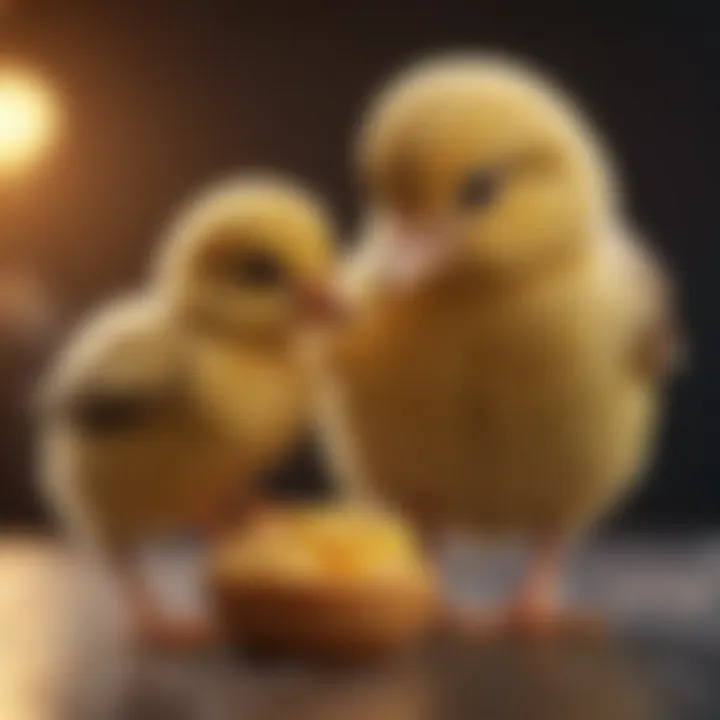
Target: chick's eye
{"type": "Point", "coordinates": [109, 412]}
{"type": "Point", "coordinates": [480, 188]}
{"type": "Point", "coordinates": [257, 269]}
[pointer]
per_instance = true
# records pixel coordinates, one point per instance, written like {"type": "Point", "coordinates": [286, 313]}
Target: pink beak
{"type": "Point", "coordinates": [417, 253]}
{"type": "Point", "coordinates": [322, 303]}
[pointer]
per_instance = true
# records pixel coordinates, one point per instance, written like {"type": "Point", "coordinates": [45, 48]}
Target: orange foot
{"type": "Point", "coordinates": [558, 623]}
{"type": "Point", "coordinates": [154, 629]}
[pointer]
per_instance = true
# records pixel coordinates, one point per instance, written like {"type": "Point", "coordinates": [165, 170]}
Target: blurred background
{"type": "Point", "coordinates": [137, 103]}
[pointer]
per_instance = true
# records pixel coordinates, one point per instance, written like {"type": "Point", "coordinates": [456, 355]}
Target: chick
{"type": "Point", "coordinates": [503, 371]}
{"type": "Point", "coordinates": [162, 414]}
{"type": "Point", "coordinates": [247, 275]}
{"type": "Point", "coordinates": [126, 454]}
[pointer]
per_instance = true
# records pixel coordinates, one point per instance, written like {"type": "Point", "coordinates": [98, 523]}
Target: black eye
{"type": "Point", "coordinates": [257, 269]}
{"type": "Point", "coordinates": [480, 188]}
{"type": "Point", "coordinates": [110, 412]}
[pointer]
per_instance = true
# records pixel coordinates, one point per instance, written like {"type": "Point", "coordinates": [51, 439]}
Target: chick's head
{"type": "Point", "coordinates": [250, 258]}
{"type": "Point", "coordinates": [483, 160]}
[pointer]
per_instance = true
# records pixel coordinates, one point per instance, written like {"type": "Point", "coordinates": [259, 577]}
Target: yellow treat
{"type": "Point", "coordinates": [323, 581]}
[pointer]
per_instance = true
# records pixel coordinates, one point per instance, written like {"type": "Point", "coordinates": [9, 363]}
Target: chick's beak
{"type": "Point", "coordinates": [417, 252]}
{"type": "Point", "coordinates": [321, 302]}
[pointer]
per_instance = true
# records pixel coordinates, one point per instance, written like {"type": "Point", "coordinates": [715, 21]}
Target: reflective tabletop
{"type": "Point", "coordinates": [661, 658]}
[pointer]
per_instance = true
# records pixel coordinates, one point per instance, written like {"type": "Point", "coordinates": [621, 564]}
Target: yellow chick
{"type": "Point", "coordinates": [511, 334]}
{"type": "Point", "coordinates": [162, 413]}
{"type": "Point", "coordinates": [247, 274]}
{"type": "Point", "coordinates": [126, 455]}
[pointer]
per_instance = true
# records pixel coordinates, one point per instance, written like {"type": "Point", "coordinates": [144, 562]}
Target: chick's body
{"type": "Point", "coordinates": [128, 454]}
{"type": "Point", "coordinates": [503, 369]}
{"type": "Point", "coordinates": [506, 410]}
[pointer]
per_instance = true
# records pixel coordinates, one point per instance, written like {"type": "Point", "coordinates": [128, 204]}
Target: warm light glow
{"type": "Point", "coordinates": [27, 118]}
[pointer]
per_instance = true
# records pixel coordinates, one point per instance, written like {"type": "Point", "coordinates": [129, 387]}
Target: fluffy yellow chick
{"type": "Point", "coordinates": [126, 454]}
{"type": "Point", "coordinates": [247, 273]}
{"type": "Point", "coordinates": [503, 369]}
{"type": "Point", "coordinates": [161, 414]}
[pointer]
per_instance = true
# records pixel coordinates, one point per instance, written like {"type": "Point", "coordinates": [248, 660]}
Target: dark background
{"type": "Point", "coordinates": [162, 97]}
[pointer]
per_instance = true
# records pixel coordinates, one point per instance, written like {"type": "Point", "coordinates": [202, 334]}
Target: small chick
{"type": "Point", "coordinates": [247, 276]}
{"type": "Point", "coordinates": [126, 454]}
{"type": "Point", "coordinates": [162, 414]}
{"type": "Point", "coordinates": [503, 371]}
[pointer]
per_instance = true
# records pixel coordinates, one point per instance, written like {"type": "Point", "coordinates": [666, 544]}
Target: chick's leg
{"type": "Point", "coordinates": [449, 617]}
{"type": "Point", "coordinates": [538, 610]}
{"type": "Point", "coordinates": [152, 626]}
{"type": "Point", "coordinates": [214, 515]}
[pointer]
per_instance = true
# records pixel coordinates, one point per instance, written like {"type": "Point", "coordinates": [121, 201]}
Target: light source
{"type": "Point", "coordinates": [28, 118]}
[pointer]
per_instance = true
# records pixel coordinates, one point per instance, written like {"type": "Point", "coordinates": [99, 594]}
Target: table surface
{"type": "Point", "coordinates": [58, 640]}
